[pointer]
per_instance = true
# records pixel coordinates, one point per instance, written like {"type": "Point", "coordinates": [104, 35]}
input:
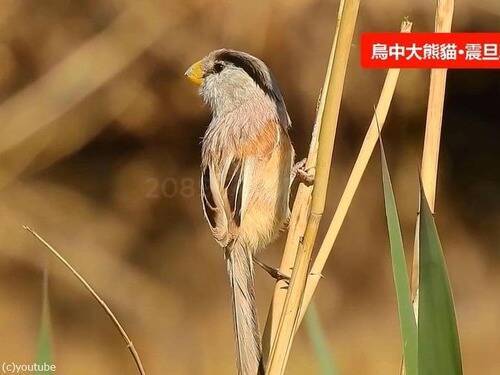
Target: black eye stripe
{"type": "Point", "coordinates": [267, 84]}
{"type": "Point", "coordinates": [247, 65]}
{"type": "Point", "coordinates": [218, 66]}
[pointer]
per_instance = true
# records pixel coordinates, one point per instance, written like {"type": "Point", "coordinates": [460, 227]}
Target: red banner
{"type": "Point", "coordinates": [430, 50]}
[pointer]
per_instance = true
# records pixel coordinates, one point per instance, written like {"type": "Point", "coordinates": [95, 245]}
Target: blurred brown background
{"type": "Point", "coordinates": [99, 152]}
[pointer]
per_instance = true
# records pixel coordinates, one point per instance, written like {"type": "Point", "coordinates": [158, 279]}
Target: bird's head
{"type": "Point", "coordinates": [229, 78]}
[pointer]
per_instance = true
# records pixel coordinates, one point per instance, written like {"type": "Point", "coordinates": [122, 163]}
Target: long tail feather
{"type": "Point", "coordinates": [246, 328]}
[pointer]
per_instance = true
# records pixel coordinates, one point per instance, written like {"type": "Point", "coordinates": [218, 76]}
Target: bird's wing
{"type": "Point", "coordinates": [222, 195]}
{"type": "Point", "coordinates": [227, 181]}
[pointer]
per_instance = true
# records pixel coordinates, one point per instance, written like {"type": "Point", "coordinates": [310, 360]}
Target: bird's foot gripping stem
{"type": "Point", "coordinates": [303, 174]}
{"type": "Point", "coordinates": [274, 272]}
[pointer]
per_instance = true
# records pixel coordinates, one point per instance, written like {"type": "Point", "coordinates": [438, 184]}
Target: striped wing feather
{"type": "Point", "coordinates": [221, 192]}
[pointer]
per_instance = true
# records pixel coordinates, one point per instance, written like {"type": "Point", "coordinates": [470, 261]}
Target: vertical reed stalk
{"type": "Point", "coordinates": [430, 155]}
{"type": "Point", "coordinates": [298, 219]}
{"type": "Point", "coordinates": [364, 155]}
{"type": "Point", "coordinates": [291, 311]}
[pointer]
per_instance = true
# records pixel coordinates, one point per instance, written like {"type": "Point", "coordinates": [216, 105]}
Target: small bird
{"type": "Point", "coordinates": [246, 173]}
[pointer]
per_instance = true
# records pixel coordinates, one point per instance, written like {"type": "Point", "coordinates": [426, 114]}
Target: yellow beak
{"type": "Point", "coordinates": [195, 73]}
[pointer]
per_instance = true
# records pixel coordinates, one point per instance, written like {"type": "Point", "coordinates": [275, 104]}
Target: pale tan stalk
{"type": "Point", "coordinates": [298, 218]}
{"type": "Point", "coordinates": [101, 302]}
{"type": "Point", "coordinates": [291, 309]}
{"type": "Point", "coordinates": [369, 143]}
{"type": "Point", "coordinates": [430, 155]}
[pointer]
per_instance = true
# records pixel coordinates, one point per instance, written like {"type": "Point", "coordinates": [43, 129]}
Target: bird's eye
{"type": "Point", "coordinates": [218, 67]}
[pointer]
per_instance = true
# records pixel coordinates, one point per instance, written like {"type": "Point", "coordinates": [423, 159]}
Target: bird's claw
{"type": "Point", "coordinates": [303, 174]}
{"type": "Point", "coordinates": [273, 272]}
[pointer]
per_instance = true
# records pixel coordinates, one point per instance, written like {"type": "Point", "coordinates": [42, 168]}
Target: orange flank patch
{"type": "Point", "coordinates": [263, 143]}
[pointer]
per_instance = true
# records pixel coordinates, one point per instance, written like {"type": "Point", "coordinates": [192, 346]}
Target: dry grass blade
{"type": "Point", "coordinates": [430, 155]}
{"type": "Point", "coordinates": [298, 219]}
{"type": "Point", "coordinates": [364, 155]}
{"type": "Point", "coordinates": [101, 302]}
{"type": "Point", "coordinates": [289, 318]}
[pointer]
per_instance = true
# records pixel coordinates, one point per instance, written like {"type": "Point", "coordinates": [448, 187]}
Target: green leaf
{"type": "Point", "coordinates": [319, 341]}
{"type": "Point", "coordinates": [44, 354]}
{"type": "Point", "coordinates": [439, 347]}
{"type": "Point", "coordinates": [407, 322]}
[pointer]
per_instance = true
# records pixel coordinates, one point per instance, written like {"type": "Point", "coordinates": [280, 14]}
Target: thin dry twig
{"type": "Point", "coordinates": [291, 310]}
{"type": "Point", "coordinates": [357, 172]}
{"type": "Point", "coordinates": [130, 345]}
